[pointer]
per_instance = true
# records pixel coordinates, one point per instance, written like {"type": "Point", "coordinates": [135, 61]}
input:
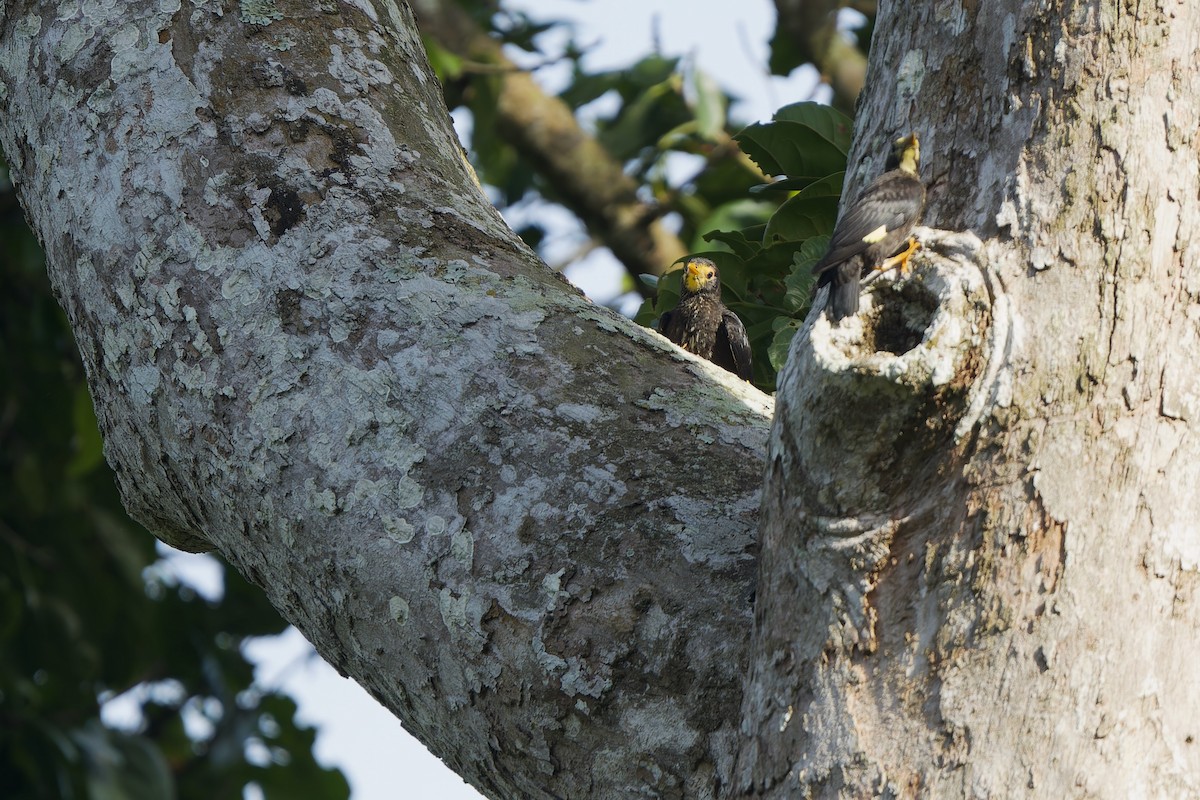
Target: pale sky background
{"type": "Point", "coordinates": [730, 42]}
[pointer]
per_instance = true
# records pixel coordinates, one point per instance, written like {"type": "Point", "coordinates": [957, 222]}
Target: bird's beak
{"type": "Point", "coordinates": [692, 280]}
{"type": "Point", "coordinates": [908, 152]}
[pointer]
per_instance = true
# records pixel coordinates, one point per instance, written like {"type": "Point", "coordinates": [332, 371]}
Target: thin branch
{"type": "Point", "coordinates": [579, 171]}
{"type": "Point", "coordinates": [812, 27]}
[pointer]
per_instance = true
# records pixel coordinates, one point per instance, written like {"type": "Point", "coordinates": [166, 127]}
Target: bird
{"type": "Point", "coordinates": [701, 324]}
{"type": "Point", "coordinates": [871, 231]}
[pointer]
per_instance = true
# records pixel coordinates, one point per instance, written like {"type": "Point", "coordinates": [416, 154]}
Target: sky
{"type": "Point", "coordinates": [729, 41]}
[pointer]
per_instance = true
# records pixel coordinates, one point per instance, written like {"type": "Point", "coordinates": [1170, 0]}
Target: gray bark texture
{"type": "Point", "coordinates": [528, 527]}
{"type": "Point", "coordinates": [525, 524]}
{"type": "Point", "coordinates": [981, 522]}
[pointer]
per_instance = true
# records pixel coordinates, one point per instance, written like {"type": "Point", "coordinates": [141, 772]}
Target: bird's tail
{"type": "Point", "coordinates": [843, 294]}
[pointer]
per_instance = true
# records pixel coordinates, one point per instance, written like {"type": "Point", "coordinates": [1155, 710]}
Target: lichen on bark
{"type": "Point", "coordinates": [315, 347]}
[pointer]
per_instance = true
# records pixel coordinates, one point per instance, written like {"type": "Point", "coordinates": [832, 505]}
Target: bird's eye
{"type": "Point", "coordinates": [709, 274]}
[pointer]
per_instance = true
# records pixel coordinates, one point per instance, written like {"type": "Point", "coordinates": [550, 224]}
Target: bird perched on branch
{"type": "Point", "coordinates": [872, 230]}
{"type": "Point", "coordinates": [701, 323]}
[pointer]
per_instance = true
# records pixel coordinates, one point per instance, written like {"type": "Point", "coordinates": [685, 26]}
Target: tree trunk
{"type": "Point", "coordinates": [525, 524]}
{"type": "Point", "coordinates": [982, 518]}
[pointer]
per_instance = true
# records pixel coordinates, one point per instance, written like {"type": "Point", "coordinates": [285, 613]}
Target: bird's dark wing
{"type": "Point", "coordinates": [732, 350]}
{"type": "Point", "coordinates": [664, 325]}
{"type": "Point", "coordinates": [889, 203]}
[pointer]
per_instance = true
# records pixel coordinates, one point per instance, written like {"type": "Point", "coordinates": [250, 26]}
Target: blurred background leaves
{"type": "Point", "coordinates": [88, 612]}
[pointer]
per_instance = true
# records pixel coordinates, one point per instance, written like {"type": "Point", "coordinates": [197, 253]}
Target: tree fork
{"type": "Point", "coordinates": [314, 346]}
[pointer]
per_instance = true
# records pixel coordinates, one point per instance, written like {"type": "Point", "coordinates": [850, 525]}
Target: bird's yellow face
{"type": "Point", "coordinates": [908, 153]}
{"type": "Point", "coordinates": [698, 274]}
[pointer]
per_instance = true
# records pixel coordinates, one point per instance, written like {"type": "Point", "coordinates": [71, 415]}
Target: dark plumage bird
{"type": "Point", "coordinates": [873, 229]}
{"type": "Point", "coordinates": [701, 323]}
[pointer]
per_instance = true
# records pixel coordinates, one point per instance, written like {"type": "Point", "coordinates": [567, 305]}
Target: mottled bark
{"type": "Point", "coordinates": [993, 591]}
{"type": "Point", "coordinates": [575, 166]}
{"type": "Point", "coordinates": [525, 524]}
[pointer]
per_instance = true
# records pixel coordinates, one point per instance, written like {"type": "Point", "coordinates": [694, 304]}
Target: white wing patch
{"type": "Point", "coordinates": [876, 235]}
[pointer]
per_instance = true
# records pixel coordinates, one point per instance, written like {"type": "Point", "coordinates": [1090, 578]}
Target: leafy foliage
{"type": "Point", "coordinates": [764, 236]}
{"type": "Point", "coordinates": [766, 264]}
{"type": "Point", "coordinates": [788, 52]}
{"type": "Point", "coordinates": [85, 615]}
{"type": "Point", "coordinates": [653, 116]}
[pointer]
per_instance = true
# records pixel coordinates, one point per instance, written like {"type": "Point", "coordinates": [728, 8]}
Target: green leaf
{"type": "Point", "coordinates": [800, 280]}
{"type": "Point", "coordinates": [781, 342]}
{"type": "Point", "coordinates": [804, 139]}
{"type": "Point", "coordinates": [829, 186]}
{"type": "Point", "coordinates": [743, 215]}
{"type": "Point", "coordinates": [737, 242]}
{"type": "Point", "coordinates": [726, 180]}
{"type": "Point", "coordinates": [668, 292]}
{"type": "Point", "coordinates": [831, 124]}
{"type": "Point", "coordinates": [628, 83]}
{"type": "Point", "coordinates": [789, 148]}
{"type": "Point", "coordinates": [521, 30]}
{"type": "Point", "coordinates": [708, 102]}
{"type": "Point", "coordinates": [646, 316]}
{"type": "Point", "coordinates": [784, 185]}
{"type": "Point", "coordinates": [678, 137]}
{"type": "Point", "coordinates": [810, 253]}
{"type": "Point", "coordinates": [800, 218]}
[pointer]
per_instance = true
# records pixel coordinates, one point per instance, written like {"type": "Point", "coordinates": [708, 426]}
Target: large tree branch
{"type": "Point", "coordinates": [576, 167]}
{"type": "Point", "coordinates": [313, 346]}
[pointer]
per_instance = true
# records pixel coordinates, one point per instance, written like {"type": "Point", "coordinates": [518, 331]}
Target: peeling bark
{"type": "Point", "coordinates": [314, 347]}
{"type": "Point", "coordinates": [991, 592]}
